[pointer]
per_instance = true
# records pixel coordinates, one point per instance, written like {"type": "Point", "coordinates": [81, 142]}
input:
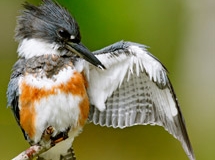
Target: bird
{"type": "Point", "coordinates": [58, 85]}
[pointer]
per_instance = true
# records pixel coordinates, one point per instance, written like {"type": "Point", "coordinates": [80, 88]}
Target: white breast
{"type": "Point", "coordinates": [55, 108]}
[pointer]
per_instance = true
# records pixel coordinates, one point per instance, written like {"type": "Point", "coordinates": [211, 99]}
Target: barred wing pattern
{"type": "Point", "coordinates": [134, 90]}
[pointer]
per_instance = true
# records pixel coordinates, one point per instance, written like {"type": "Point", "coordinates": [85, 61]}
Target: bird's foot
{"type": "Point", "coordinates": [59, 137]}
{"type": "Point", "coordinates": [48, 133]}
{"type": "Point", "coordinates": [50, 137]}
{"type": "Point", "coordinates": [46, 137]}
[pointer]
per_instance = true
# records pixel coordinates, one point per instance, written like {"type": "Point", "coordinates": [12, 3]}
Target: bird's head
{"type": "Point", "coordinates": [50, 29]}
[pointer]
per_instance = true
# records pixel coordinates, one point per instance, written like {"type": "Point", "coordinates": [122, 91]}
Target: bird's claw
{"type": "Point", "coordinates": [48, 133]}
{"type": "Point", "coordinates": [59, 137]}
{"type": "Point", "coordinates": [51, 137]}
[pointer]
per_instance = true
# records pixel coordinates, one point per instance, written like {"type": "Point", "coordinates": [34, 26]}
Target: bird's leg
{"type": "Point", "coordinates": [48, 133]}
{"type": "Point", "coordinates": [48, 136]}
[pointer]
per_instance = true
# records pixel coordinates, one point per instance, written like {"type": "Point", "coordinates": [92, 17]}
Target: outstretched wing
{"type": "Point", "coordinates": [13, 89]}
{"type": "Point", "coordinates": [134, 90]}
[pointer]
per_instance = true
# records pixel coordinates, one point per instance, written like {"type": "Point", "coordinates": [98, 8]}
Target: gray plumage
{"type": "Point", "coordinates": [12, 91]}
{"type": "Point", "coordinates": [47, 65]}
{"type": "Point", "coordinates": [34, 23]}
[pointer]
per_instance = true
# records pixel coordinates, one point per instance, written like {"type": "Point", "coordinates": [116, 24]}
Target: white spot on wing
{"type": "Point", "coordinates": [172, 104]}
{"type": "Point", "coordinates": [148, 62]}
{"type": "Point", "coordinates": [102, 83]}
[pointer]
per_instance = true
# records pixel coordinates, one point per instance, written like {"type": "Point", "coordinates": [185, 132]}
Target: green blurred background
{"type": "Point", "coordinates": [181, 33]}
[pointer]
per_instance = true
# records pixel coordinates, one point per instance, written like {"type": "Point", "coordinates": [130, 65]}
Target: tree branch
{"type": "Point", "coordinates": [45, 144]}
{"type": "Point", "coordinates": [32, 152]}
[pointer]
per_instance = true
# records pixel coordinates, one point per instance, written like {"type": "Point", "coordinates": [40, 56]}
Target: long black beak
{"type": "Point", "coordinates": [83, 52]}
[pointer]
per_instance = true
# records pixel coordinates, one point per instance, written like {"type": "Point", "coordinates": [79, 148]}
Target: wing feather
{"type": "Point", "coordinates": [13, 89]}
{"type": "Point", "coordinates": [134, 90]}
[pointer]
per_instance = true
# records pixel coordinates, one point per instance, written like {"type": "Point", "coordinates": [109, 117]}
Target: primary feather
{"type": "Point", "coordinates": [134, 90]}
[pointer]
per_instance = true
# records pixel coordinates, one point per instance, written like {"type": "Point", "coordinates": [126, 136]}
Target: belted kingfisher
{"type": "Point", "coordinates": [57, 84]}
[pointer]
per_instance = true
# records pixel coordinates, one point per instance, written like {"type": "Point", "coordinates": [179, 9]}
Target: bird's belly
{"type": "Point", "coordinates": [60, 111]}
{"type": "Point", "coordinates": [61, 105]}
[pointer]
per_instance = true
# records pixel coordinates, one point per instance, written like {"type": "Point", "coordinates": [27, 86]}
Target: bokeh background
{"type": "Point", "coordinates": [181, 33]}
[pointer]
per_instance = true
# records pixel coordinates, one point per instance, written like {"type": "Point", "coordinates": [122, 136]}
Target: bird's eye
{"type": "Point", "coordinates": [63, 34]}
